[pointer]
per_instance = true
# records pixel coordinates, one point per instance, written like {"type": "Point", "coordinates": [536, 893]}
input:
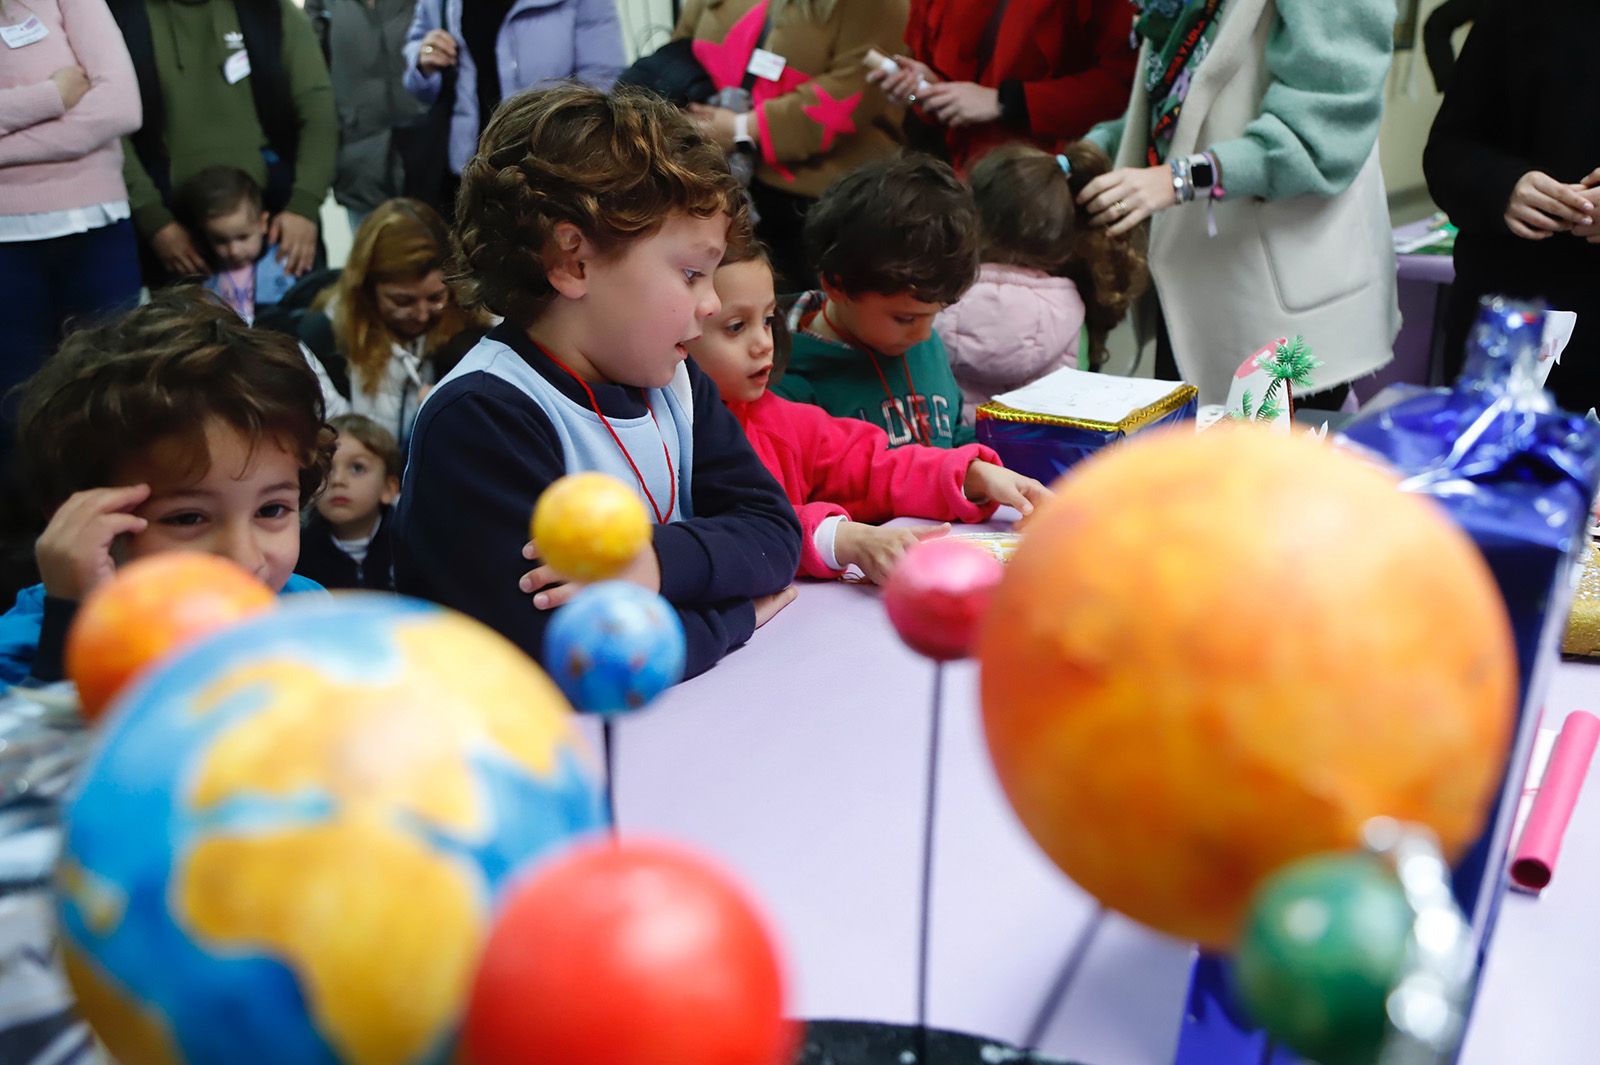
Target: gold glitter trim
{"type": "Point", "coordinates": [1583, 624]}
{"type": "Point", "coordinates": [1136, 420]}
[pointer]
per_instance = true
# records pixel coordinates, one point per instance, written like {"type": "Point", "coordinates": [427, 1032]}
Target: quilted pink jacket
{"type": "Point", "coordinates": [1013, 326]}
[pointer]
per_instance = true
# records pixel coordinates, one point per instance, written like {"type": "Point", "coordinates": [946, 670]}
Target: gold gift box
{"type": "Point", "coordinates": [1583, 624]}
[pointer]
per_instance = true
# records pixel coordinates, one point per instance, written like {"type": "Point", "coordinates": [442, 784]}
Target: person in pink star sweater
{"type": "Point", "coordinates": [840, 473]}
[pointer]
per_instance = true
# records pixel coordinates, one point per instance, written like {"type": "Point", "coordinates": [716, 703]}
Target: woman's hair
{"type": "Point", "coordinates": [1028, 211]}
{"type": "Point", "coordinates": [372, 436]}
{"type": "Point", "coordinates": [401, 241]}
{"type": "Point", "coordinates": [903, 224]}
{"type": "Point", "coordinates": [214, 192]}
{"type": "Point", "coordinates": [160, 372]}
{"type": "Point", "coordinates": [615, 166]}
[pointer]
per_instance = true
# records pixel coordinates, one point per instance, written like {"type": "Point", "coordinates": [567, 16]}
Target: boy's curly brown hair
{"type": "Point", "coordinates": [616, 166]}
{"type": "Point", "coordinates": [1029, 214]}
{"type": "Point", "coordinates": [115, 389]}
{"type": "Point", "coordinates": [896, 225]}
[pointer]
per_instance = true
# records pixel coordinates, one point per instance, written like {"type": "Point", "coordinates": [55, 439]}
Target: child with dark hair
{"type": "Point", "coordinates": [894, 242]}
{"type": "Point", "coordinates": [172, 427]}
{"type": "Point", "coordinates": [1045, 274]}
{"type": "Point", "coordinates": [223, 210]}
{"type": "Point", "coordinates": [839, 473]}
{"type": "Point", "coordinates": [593, 224]}
{"type": "Point", "coordinates": [347, 541]}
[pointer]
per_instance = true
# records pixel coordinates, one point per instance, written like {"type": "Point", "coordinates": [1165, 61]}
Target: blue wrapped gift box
{"type": "Point", "coordinates": [1043, 429]}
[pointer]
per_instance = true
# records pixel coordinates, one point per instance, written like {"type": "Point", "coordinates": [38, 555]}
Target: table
{"type": "Point", "coordinates": [799, 762]}
{"type": "Point", "coordinates": [1423, 290]}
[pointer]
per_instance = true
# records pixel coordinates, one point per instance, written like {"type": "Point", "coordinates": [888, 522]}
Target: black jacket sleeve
{"type": "Point", "coordinates": [1470, 171]}
{"type": "Point", "coordinates": [480, 456]}
{"type": "Point", "coordinates": [743, 540]}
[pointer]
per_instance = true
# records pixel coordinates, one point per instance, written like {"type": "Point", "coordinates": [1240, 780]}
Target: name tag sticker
{"type": "Point", "coordinates": [237, 68]}
{"type": "Point", "coordinates": [24, 33]}
{"type": "Point", "coordinates": [767, 65]}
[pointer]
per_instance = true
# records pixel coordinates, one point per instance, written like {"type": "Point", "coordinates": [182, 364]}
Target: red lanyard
{"type": "Point", "coordinates": [917, 424]}
{"type": "Point", "coordinates": [672, 477]}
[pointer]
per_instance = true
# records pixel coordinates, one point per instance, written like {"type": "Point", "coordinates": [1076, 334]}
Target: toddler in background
{"type": "Point", "coordinates": [223, 210]}
{"type": "Point", "coordinates": [1045, 274]}
{"type": "Point", "coordinates": [593, 223]}
{"type": "Point", "coordinates": [174, 427]}
{"type": "Point", "coordinates": [893, 242]}
{"type": "Point", "coordinates": [346, 540]}
{"type": "Point", "coordinates": [839, 473]}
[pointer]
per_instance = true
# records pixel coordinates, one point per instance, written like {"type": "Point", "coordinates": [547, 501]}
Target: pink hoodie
{"type": "Point", "coordinates": [1013, 326]}
{"type": "Point", "coordinates": [53, 159]}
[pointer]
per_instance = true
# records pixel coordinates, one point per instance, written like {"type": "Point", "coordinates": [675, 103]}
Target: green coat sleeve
{"type": "Point", "coordinates": [1327, 64]}
{"type": "Point", "coordinates": [313, 104]}
{"type": "Point", "coordinates": [150, 214]}
{"type": "Point", "coordinates": [1108, 135]}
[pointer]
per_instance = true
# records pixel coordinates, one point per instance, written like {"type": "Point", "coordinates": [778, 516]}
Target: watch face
{"type": "Point", "coordinates": [1202, 173]}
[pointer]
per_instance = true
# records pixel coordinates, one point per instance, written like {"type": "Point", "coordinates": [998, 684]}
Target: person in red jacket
{"type": "Point", "coordinates": [984, 73]}
{"type": "Point", "coordinates": [839, 473]}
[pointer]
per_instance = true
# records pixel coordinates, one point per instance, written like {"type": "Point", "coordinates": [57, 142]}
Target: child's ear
{"type": "Point", "coordinates": [391, 490]}
{"type": "Point", "coordinates": [266, 220]}
{"type": "Point", "coordinates": [834, 293]}
{"type": "Point", "coordinates": [566, 261]}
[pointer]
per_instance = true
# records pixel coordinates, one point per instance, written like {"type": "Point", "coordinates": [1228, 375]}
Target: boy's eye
{"type": "Point", "coordinates": [274, 510]}
{"type": "Point", "coordinates": [901, 319]}
{"type": "Point", "coordinates": [735, 327]}
{"type": "Point", "coordinates": [691, 276]}
{"type": "Point", "coordinates": [184, 519]}
{"type": "Point", "coordinates": [358, 467]}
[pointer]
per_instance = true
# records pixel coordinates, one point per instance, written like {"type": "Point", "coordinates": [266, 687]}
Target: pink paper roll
{"type": "Point", "coordinates": [1535, 861]}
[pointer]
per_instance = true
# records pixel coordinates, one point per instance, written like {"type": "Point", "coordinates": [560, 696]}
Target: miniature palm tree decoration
{"type": "Point", "coordinates": [1289, 366]}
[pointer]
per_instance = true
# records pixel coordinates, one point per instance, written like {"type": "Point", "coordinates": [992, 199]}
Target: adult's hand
{"type": "Point", "coordinates": [1120, 200]}
{"type": "Point", "coordinates": [1590, 191]}
{"type": "Point", "coordinates": [175, 248]}
{"type": "Point", "coordinates": [437, 52]}
{"type": "Point", "coordinates": [1540, 207]}
{"type": "Point", "coordinates": [296, 238]}
{"type": "Point", "coordinates": [72, 83]}
{"type": "Point", "coordinates": [716, 123]}
{"type": "Point", "coordinates": [903, 86]}
{"type": "Point", "coordinates": [961, 103]}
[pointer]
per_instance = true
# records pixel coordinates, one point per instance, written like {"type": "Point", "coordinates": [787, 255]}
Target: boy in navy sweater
{"type": "Point", "coordinates": [593, 224]}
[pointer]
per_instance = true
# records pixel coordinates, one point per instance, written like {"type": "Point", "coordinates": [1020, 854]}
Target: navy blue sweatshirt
{"type": "Point", "coordinates": [482, 452]}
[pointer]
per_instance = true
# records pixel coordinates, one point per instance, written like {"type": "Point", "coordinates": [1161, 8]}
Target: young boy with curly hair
{"type": "Point", "coordinates": [173, 427]}
{"type": "Point", "coordinates": [894, 243]}
{"type": "Point", "coordinates": [593, 224]}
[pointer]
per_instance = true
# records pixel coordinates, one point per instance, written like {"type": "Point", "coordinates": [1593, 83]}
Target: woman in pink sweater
{"type": "Point", "coordinates": [839, 473]}
{"type": "Point", "coordinates": [67, 249]}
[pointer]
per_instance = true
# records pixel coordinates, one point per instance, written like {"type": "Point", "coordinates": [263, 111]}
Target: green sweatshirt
{"type": "Point", "coordinates": [841, 380]}
{"type": "Point", "coordinates": [1319, 116]}
{"type": "Point", "coordinates": [208, 122]}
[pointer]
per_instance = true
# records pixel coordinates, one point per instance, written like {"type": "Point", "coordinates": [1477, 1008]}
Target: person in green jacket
{"type": "Point", "coordinates": [228, 83]}
{"type": "Point", "coordinates": [894, 242]}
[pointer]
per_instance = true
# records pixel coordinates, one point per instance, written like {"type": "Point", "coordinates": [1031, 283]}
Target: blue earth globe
{"type": "Point", "coordinates": [615, 647]}
{"type": "Point", "coordinates": [290, 842]}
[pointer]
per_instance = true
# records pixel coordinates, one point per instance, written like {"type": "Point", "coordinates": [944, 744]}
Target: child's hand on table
{"type": "Point", "coordinates": [988, 483]}
{"type": "Point", "coordinates": [74, 551]}
{"type": "Point", "coordinates": [550, 589]}
{"type": "Point", "coordinates": [769, 605]}
{"type": "Point", "coordinates": [876, 549]}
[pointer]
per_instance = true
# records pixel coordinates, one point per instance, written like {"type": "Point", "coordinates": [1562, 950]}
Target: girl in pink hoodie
{"type": "Point", "coordinates": [1043, 278]}
{"type": "Point", "coordinates": [839, 473]}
